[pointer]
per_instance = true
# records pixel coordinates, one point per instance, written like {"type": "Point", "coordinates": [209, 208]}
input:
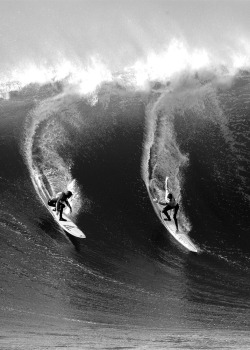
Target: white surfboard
{"type": "Point", "coordinates": [68, 225]}
{"type": "Point", "coordinates": [180, 235]}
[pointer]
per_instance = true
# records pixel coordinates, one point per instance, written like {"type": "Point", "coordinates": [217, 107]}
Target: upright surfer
{"type": "Point", "coordinates": [59, 203]}
{"type": "Point", "coordinates": [170, 203]}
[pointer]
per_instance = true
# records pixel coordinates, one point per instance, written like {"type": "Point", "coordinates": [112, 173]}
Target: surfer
{"type": "Point", "coordinates": [59, 203]}
{"type": "Point", "coordinates": [170, 203]}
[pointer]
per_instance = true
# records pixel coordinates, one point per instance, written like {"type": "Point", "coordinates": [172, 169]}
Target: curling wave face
{"type": "Point", "coordinates": [129, 271]}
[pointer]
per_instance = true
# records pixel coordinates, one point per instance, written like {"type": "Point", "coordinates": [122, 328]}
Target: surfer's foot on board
{"type": "Point", "coordinates": [54, 209]}
{"type": "Point", "coordinates": [62, 219]}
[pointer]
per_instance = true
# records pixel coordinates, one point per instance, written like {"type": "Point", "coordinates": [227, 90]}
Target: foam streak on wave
{"type": "Point", "coordinates": [193, 99]}
{"type": "Point", "coordinates": [162, 156]}
{"type": "Point", "coordinates": [46, 137]}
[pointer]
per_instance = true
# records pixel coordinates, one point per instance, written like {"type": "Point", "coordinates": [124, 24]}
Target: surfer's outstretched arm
{"type": "Point", "coordinates": [167, 189]}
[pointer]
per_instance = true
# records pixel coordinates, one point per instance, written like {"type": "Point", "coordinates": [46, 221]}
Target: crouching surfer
{"type": "Point", "coordinates": [170, 203]}
{"type": "Point", "coordinates": [59, 203]}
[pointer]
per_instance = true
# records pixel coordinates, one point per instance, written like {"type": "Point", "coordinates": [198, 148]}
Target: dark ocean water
{"type": "Point", "coordinates": [129, 284]}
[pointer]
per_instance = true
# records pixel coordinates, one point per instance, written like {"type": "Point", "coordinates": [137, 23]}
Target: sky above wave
{"type": "Point", "coordinates": [93, 39]}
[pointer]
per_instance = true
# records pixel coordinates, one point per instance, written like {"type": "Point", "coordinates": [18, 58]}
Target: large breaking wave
{"type": "Point", "coordinates": [105, 135]}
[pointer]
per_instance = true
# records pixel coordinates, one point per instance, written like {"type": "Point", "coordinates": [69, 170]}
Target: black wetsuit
{"type": "Point", "coordinates": [57, 202]}
{"type": "Point", "coordinates": [169, 206]}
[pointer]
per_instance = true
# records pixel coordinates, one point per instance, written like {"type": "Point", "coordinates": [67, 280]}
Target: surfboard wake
{"type": "Point", "coordinates": [69, 226]}
{"type": "Point", "coordinates": [180, 235]}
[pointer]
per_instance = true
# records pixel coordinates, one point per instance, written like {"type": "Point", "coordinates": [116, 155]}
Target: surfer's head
{"type": "Point", "coordinates": [68, 194]}
{"type": "Point", "coordinates": [170, 196]}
